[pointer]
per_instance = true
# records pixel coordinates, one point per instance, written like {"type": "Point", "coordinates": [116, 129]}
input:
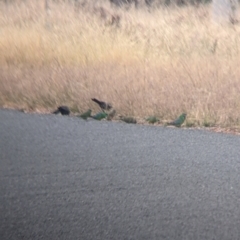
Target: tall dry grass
{"type": "Point", "coordinates": [159, 63]}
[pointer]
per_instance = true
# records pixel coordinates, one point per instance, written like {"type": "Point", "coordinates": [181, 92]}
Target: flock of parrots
{"type": "Point", "coordinates": [108, 113]}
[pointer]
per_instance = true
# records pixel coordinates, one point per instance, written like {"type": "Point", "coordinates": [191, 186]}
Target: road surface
{"type": "Point", "coordinates": [65, 178]}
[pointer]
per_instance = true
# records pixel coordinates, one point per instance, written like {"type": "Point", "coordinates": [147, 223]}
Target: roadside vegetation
{"type": "Point", "coordinates": [160, 62]}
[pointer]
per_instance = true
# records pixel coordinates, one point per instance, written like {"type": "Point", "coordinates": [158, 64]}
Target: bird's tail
{"type": "Point", "coordinates": [95, 100]}
{"type": "Point", "coordinates": [56, 112]}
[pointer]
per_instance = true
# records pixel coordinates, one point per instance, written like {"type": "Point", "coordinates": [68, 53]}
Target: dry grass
{"type": "Point", "coordinates": [160, 63]}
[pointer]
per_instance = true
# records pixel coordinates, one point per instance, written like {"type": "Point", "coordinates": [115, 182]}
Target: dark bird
{"type": "Point", "coordinates": [102, 105]}
{"type": "Point", "coordinates": [64, 110]}
{"type": "Point", "coordinates": [179, 121]}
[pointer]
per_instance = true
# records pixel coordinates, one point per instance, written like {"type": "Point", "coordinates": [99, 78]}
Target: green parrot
{"type": "Point", "coordinates": [86, 114]}
{"type": "Point", "coordinates": [152, 119]}
{"type": "Point", "coordinates": [128, 119]}
{"type": "Point", "coordinates": [179, 121]}
{"type": "Point", "coordinates": [99, 116]}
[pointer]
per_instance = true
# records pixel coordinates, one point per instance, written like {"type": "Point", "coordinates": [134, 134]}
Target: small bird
{"type": "Point", "coordinates": [128, 119]}
{"type": "Point", "coordinates": [152, 119]}
{"type": "Point", "coordinates": [179, 121]}
{"type": "Point", "coordinates": [111, 115]}
{"type": "Point", "coordinates": [64, 110]}
{"type": "Point", "coordinates": [102, 105]}
{"type": "Point", "coordinates": [86, 114]}
{"type": "Point", "coordinates": [99, 116]}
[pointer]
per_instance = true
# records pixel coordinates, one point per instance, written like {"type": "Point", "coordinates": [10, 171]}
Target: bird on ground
{"type": "Point", "coordinates": [128, 119]}
{"type": "Point", "coordinates": [86, 114]}
{"type": "Point", "coordinates": [152, 119]}
{"type": "Point", "coordinates": [102, 105]}
{"type": "Point", "coordinates": [64, 110]}
{"type": "Point", "coordinates": [179, 121]}
{"type": "Point", "coordinates": [99, 116]}
{"type": "Point", "coordinates": [111, 115]}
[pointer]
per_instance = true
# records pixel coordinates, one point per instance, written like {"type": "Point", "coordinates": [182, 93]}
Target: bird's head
{"type": "Point", "coordinates": [184, 115]}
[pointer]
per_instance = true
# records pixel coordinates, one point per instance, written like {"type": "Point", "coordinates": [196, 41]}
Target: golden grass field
{"type": "Point", "coordinates": [162, 62]}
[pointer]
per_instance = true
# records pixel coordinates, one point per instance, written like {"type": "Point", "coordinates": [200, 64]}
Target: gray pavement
{"type": "Point", "coordinates": [65, 178]}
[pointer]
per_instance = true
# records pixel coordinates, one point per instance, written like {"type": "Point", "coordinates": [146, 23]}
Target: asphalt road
{"type": "Point", "coordinates": [66, 178]}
